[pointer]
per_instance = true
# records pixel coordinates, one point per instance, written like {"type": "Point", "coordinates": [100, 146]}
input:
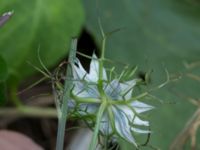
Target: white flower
{"type": "Point", "coordinates": [122, 115]}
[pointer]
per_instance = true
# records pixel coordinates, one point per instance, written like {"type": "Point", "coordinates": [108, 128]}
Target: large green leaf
{"type": "Point", "coordinates": [155, 35]}
{"type": "Point", "coordinates": [46, 24]}
{"type": "Point", "coordinates": [3, 70]}
{"type": "Point", "coordinates": [3, 77]}
{"type": "Point", "coordinates": [2, 93]}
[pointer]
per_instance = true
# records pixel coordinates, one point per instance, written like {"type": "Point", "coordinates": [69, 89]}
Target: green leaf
{"type": "Point", "coordinates": [3, 70]}
{"type": "Point", "coordinates": [2, 93]}
{"type": "Point", "coordinates": [154, 35]}
{"type": "Point", "coordinates": [45, 24]}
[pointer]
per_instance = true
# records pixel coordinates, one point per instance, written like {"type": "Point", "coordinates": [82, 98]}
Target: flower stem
{"type": "Point", "coordinates": [28, 111]}
{"type": "Point", "coordinates": [93, 143]}
{"type": "Point", "coordinates": [84, 100]}
{"type": "Point", "coordinates": [101, 59]}
{"type": "Point", "coordinates": [62, 118]}
{"type": "Point", "coordinates": [100, 82]}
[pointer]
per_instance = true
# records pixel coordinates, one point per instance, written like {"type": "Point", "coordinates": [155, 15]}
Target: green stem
{"type": "Point", "coordinates": [97, 126]}
{"type": "Point", "coordinates": [28, 111]}
{"type": "Point", "coordinates": [84, 100]}
{"type": "Point", "coordinates": [101, 59]}
{"type": "Point", "coordinates": [100, 81]}
{"type": "Point", "coordinates": [137, 97]}
{"type": "Point", "coordinates": [13, 94]}
{"type": "Point", "coordinates": [62, 119]}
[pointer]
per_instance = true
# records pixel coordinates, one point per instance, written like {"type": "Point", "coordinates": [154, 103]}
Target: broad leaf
{"type": "Point", "coordinates": [3, 69]}
{"type": "Point", "coordinates": [45, 24]}
{"type": "Point", "coordinates": [3, 77]}
{"type": "Point", "coordinates": [2, 93]}
{"type": "Point", "coordinates": [154, 35]}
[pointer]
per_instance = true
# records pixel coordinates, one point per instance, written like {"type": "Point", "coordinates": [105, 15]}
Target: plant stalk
{"type": "Point", "coordinates": [93, 143]}
{"type": "Point", "coordinates": [62, 117]}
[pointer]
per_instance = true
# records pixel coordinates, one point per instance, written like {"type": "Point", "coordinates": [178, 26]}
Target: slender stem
{"type": "Point", "coordinates": [97, 126]}
{"type": "Point", "coordinates": [62, 118]}
{"type": "Point", "coordinates": [184, 135]}
{"type": "Point", "coordinates": [101, 59]}
{"type": "Point", "coordinates": [103, 48]}
{"type": "Point", "coordinates": [84, 100]}
{"type": "Point", "coordinates": [137, 97]}
{"type": "Point", "coordinates": [13, 94]}
{"type": "Point", "coordinates": [30, 111]}
{"type": "Point", "coordinates": [100, 81]}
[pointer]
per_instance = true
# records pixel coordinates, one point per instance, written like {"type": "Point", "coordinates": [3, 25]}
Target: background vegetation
{"type": "Point", "coordinates": [155, 35]}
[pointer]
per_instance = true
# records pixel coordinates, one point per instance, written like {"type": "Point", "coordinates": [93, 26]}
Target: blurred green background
{"type": "Point", "coordinates": [154, 35]}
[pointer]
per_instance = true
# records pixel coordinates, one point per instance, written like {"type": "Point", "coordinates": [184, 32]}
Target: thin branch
{"type": "Point", "coordinates": [192, 76]}
{"type": "Point", "coordinates": [185, 133]}
{"type": "Point", "coordinates": [29, 111]}
{"type": "Point", "coordinates": [62, 116]}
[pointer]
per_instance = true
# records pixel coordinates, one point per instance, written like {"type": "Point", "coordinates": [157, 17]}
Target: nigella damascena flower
{"type": "Point", "coordinates": [121, 117]}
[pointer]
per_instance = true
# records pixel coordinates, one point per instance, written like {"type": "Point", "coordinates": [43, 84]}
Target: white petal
{"type": "Point", "coordinates": [127, 88]}
{"type": "Point", "coordinates": [113, 89]}
{"type": "Point", "coordinates": [78, 87]}
{"type": "Point", "coordinates": [122, 126]}
{"type": "Point", "coordinates": [131, 115]}
{"type": "Point", "coordinates": [105, 125]}
{"type": "Point", "coordinates": [78, 71]}
{"type": "Point", "coordinates": [71, 104]}
{"type": "Point", "coordinates": [140, 131]}
{"type": "Point", "coordinates": [89, 108]}
{"type": "Point", "coordinates": [127, 111]}
{"type": "Point", "coordinates": [141, 107]}
{"type": "Point", "coordinates": [85, 90]}
{"type": "Point", "coordinates": [138, 121]}
{"type": "Point", "coordinates": [89, 92]}
{"type": "Point", "coordinates": [94, 70]}
{"type": "Point", "coordinates": [85, 94]}
{"type": "Point", "coordinates": [104, 74]}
